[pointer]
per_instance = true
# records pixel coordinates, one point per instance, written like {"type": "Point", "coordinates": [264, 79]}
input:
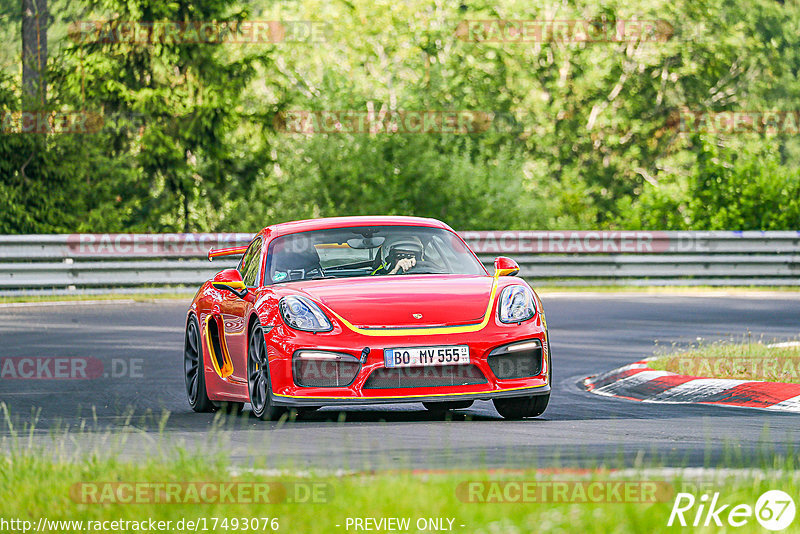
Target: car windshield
{"type": "Point", "coordinates": [368, 251]}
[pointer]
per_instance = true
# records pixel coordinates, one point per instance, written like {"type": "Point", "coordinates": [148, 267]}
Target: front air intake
{"type": "Point", "coordinates": [324, 369]}
{"type": "Point", "coordinates": [519, 360]}
{"type": "Point", "coordinates": [217, 347]}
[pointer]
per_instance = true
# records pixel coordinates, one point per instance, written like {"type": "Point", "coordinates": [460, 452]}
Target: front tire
{"type": "Point", "coordinates": [194, 369]}
{"type": "Point", "coordinates": [258, 383]}
{"type": "Point", "coordinates": [521, 407]}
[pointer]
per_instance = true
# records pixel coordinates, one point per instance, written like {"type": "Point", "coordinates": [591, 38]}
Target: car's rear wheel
{"type": "Point", "coordinates": [193, 368]}
{"type": "Point", "coordinates": [441, 407]}
{"type": "Point", "coordinates": [258, 383]}
{"type": "Point", "coordinates": [521, 407]}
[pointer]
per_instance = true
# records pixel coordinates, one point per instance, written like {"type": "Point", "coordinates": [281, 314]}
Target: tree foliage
{"type": "Point", "coordinates": [584, 135]}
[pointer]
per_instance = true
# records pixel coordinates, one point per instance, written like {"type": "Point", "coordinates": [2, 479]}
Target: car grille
{"type": "Point", "coordinates": [420, 377]}
{"type": "Point", "coordinates": [516, 364]}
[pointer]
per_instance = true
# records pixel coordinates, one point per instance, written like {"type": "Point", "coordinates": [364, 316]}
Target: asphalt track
{"type": "Point", "coordinates": [590, 334]}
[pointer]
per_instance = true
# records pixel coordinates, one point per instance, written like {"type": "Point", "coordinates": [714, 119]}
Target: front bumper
{"type": "Point", "coordinates": [282, 342]}
{"type": "Point", "coordinates": [298, 401]}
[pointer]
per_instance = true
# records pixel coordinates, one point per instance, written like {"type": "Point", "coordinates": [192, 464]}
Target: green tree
{"type": "Point", "coordinates": [183, 96]}
{"type": "Point", "coordinates": [745, 189]}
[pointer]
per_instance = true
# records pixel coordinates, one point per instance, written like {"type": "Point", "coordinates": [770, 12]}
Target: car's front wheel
{"type": "Point", "coordinates": [258, 383]}
{"type": "Point", "coordinates": [521, 407]}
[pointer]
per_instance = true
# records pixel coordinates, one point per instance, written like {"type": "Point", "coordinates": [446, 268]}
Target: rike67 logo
{"type": "Point", "coordinates": [774, 510]}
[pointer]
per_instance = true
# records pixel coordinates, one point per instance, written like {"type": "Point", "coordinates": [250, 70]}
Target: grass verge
{"type": "Point", "coordinates": [62, 486]}
{"type": "Point", "coordinates": [185, 488]}
{"type": "Point", "coordinates": [750, 360]}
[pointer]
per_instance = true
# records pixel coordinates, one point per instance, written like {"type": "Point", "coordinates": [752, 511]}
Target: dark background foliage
{"type": "Point", "coordinates": [584, 134]}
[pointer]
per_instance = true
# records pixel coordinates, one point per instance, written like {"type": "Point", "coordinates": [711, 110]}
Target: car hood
{"type": "Point", "coordinates": [403, 301]}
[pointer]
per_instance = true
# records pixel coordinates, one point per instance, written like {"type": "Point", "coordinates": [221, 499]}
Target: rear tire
{"type": "Point", "coordinates": [441, 407]}
{"type": "Point", "coordinates": [194, 369]}
{"type": "Point", "coordinates": [521, 407]}
{"type": "Point", "coordinates": [258, 382]}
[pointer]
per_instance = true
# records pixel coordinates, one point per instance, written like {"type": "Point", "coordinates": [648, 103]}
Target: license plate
{"type": "Point", "coordinates": [421, 356]}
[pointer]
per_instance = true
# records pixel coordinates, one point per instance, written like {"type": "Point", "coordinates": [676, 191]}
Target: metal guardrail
{"type": "Point", "coordinates": [58, 263]}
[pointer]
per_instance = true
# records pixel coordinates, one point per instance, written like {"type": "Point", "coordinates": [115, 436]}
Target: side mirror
{"type": "Point", "coordinates": [505, 267]}
{"type": "Point", "coordinates": [230, 280]}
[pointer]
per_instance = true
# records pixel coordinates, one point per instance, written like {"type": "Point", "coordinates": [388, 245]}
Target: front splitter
{"type": "Point", "coordinates": [285, 400]}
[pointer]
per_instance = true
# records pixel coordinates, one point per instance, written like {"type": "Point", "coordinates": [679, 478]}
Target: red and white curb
{"type": "Point", "coordinates": [639, 382]}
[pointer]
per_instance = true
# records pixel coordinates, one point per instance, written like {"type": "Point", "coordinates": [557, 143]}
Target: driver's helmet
{"type": "Point", "coordinates": [397, 248]}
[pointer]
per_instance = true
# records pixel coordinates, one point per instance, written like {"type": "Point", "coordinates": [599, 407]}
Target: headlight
{"type": "Point", "coordinates": [516, 304]}
{"type": "Point", "coordinates": [302, 314]}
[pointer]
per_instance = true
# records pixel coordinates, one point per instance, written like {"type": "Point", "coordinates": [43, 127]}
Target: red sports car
{"type": "Point", "coordinates": [365, 310]}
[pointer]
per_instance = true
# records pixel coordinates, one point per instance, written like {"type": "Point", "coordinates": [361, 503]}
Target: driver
{"type": "Point", "coordinates": [399, 255]}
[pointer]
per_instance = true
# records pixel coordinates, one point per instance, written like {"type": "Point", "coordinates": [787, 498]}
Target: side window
{"type": "Point", "coordinates": [251, 261]}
